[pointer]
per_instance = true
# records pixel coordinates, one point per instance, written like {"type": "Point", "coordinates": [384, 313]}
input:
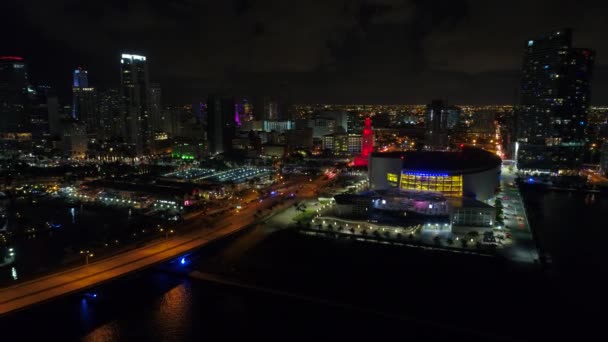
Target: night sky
{"type": "Point", "coordinates": [383, 51]}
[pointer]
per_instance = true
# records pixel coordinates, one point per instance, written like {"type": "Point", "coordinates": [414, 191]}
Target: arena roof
{"type": "Point", "coordinates": [467, 159]}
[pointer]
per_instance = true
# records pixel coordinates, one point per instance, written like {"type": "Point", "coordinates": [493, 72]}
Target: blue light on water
{"type": "Point", "coordinates": [530, 180]}
{"type": "Point", "coordinates": [90, 295]}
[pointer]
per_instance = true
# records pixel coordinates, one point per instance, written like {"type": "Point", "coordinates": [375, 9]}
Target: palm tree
{"type": "Point", "coordinates": [472, 234]}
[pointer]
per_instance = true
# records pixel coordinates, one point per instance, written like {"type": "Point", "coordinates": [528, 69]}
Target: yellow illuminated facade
{"type": "Point", "coordinates": [393, 179]}
{"type": "Point", "coordinates": [446, 184]}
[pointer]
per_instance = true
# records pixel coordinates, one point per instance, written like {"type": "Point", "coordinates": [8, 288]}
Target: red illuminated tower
{"type": "Point", "coordinates": [367, 139]}
{"type": "Point", "coordinates": [367, 144]}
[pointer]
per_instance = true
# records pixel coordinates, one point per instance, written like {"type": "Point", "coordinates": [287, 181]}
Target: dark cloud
{"type": "Point", "coordinates": [315, 50]}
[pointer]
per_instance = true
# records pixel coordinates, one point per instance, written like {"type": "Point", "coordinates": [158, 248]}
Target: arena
{"type": "Point", "coordinates": [469, 172]}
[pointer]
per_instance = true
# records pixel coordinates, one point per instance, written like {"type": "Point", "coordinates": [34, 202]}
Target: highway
{"type": "Point", "coordinates": [198, 234]}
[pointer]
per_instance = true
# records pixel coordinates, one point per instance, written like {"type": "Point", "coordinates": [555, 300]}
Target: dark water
{"type": "Point", "coordinates": [61, 231]}
{"type": "Point", "coordinates": [344, 289]}
{"type": "Point", "coordinates": [573, 228]}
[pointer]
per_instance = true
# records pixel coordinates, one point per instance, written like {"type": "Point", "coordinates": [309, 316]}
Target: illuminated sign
{"type": "Point", "coordinates": [133, 57]}
{"type": "Point", "coordinates": [426, 174]}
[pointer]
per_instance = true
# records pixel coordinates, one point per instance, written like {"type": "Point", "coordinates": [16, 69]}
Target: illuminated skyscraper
{"type": "Point", "coordinates": [367, 144]}
{"type": "Point", "coordinates": [247, 109]}
{"type": "Point", "coordinates": [13, 94]}
{"type": "Point", "coordinates": [555, 93]}
{"type": "Point", "coordinates": [436, 125]}
{"type": "Point", "coordinates": [367, 139]}
{"type": "Point", "coordinates": [453, 117]}
{"type": "Point", "coordinates": [84, 101]}
{"type": "Point", "coordinates": [81, 79]}
{"type": "Point", "coordinates": [136, 123]}
{"type": "Point", "coordinates": [271, 108]}
{"type": "Point", "coordinates": [110, 109]}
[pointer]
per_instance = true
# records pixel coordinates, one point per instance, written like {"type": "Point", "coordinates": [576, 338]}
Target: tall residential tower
{"type": "Point", "coordinates": [555, 92]}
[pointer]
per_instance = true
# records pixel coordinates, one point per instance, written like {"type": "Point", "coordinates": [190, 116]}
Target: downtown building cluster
{"type": "Point", "coordinates": [129, 120]}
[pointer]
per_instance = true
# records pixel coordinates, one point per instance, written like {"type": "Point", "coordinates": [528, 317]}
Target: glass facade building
{"type": "Point", "coordinates": [449, 185]}
{"type": "Point", "coordinates": [13, 94]}
{"type": "Point", "coordinates": [554, 96]}
{"type": "Point", "coordinates": [136, 124]}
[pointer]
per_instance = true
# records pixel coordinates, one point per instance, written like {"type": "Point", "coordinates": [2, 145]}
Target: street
{"type": "Point", "coordinates": [523, 248]}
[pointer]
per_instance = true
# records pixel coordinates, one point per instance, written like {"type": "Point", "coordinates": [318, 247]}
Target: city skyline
{"type": "Point", "coordinates": [448, 49]}
{"type": "Point", "coordinates": [427, 169]}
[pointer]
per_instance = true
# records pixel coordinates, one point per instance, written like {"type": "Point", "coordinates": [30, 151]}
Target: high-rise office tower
{"type": "Point", "coordinates": [239, 112]}
{"type": "Point", "coordinates": [39, 113]}
{"type": "Point", "coordinates": [13, 94]}
{"type": "Point", "coordinates": [84, 101]}
{"type": "Point", "coordinates": [54, 115]}
{"type": "Point", "coordinates": [74, 138]}
{"type": "Point", "coordinates": [483, 122]}
{"type": "Point", "coordinates": [81, 78]}
{"type": "Point", "coordinates": [135, 85]}
{"type": "Point", "coordinates": [110, 110]}
{"type": "Point", "coordinates": [156, 107]}
{"type": "Point", "coordinates": [340, 117]}
{"type": "Point", "coordinates": [247, 109]}
{"type": "Point", "coordinates": [220, 123]}
{"type": "Point", "coordinates": [555, 91]}
{"type": "Point", "coordinates": [453, 116]}
{"type": "Point", "coordinates": [271, 108]}
{"type": "Point", "coordinates": [436, 125]}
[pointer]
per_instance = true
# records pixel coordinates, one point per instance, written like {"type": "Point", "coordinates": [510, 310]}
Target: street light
{"type": "Point", "coordinates": [87, 254]}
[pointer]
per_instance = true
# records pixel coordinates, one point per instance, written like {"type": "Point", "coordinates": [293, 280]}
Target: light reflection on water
{"type": "Point", "coordinates": [107, 332]}
{"type": "Point", "coordinates": [173, 313]}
